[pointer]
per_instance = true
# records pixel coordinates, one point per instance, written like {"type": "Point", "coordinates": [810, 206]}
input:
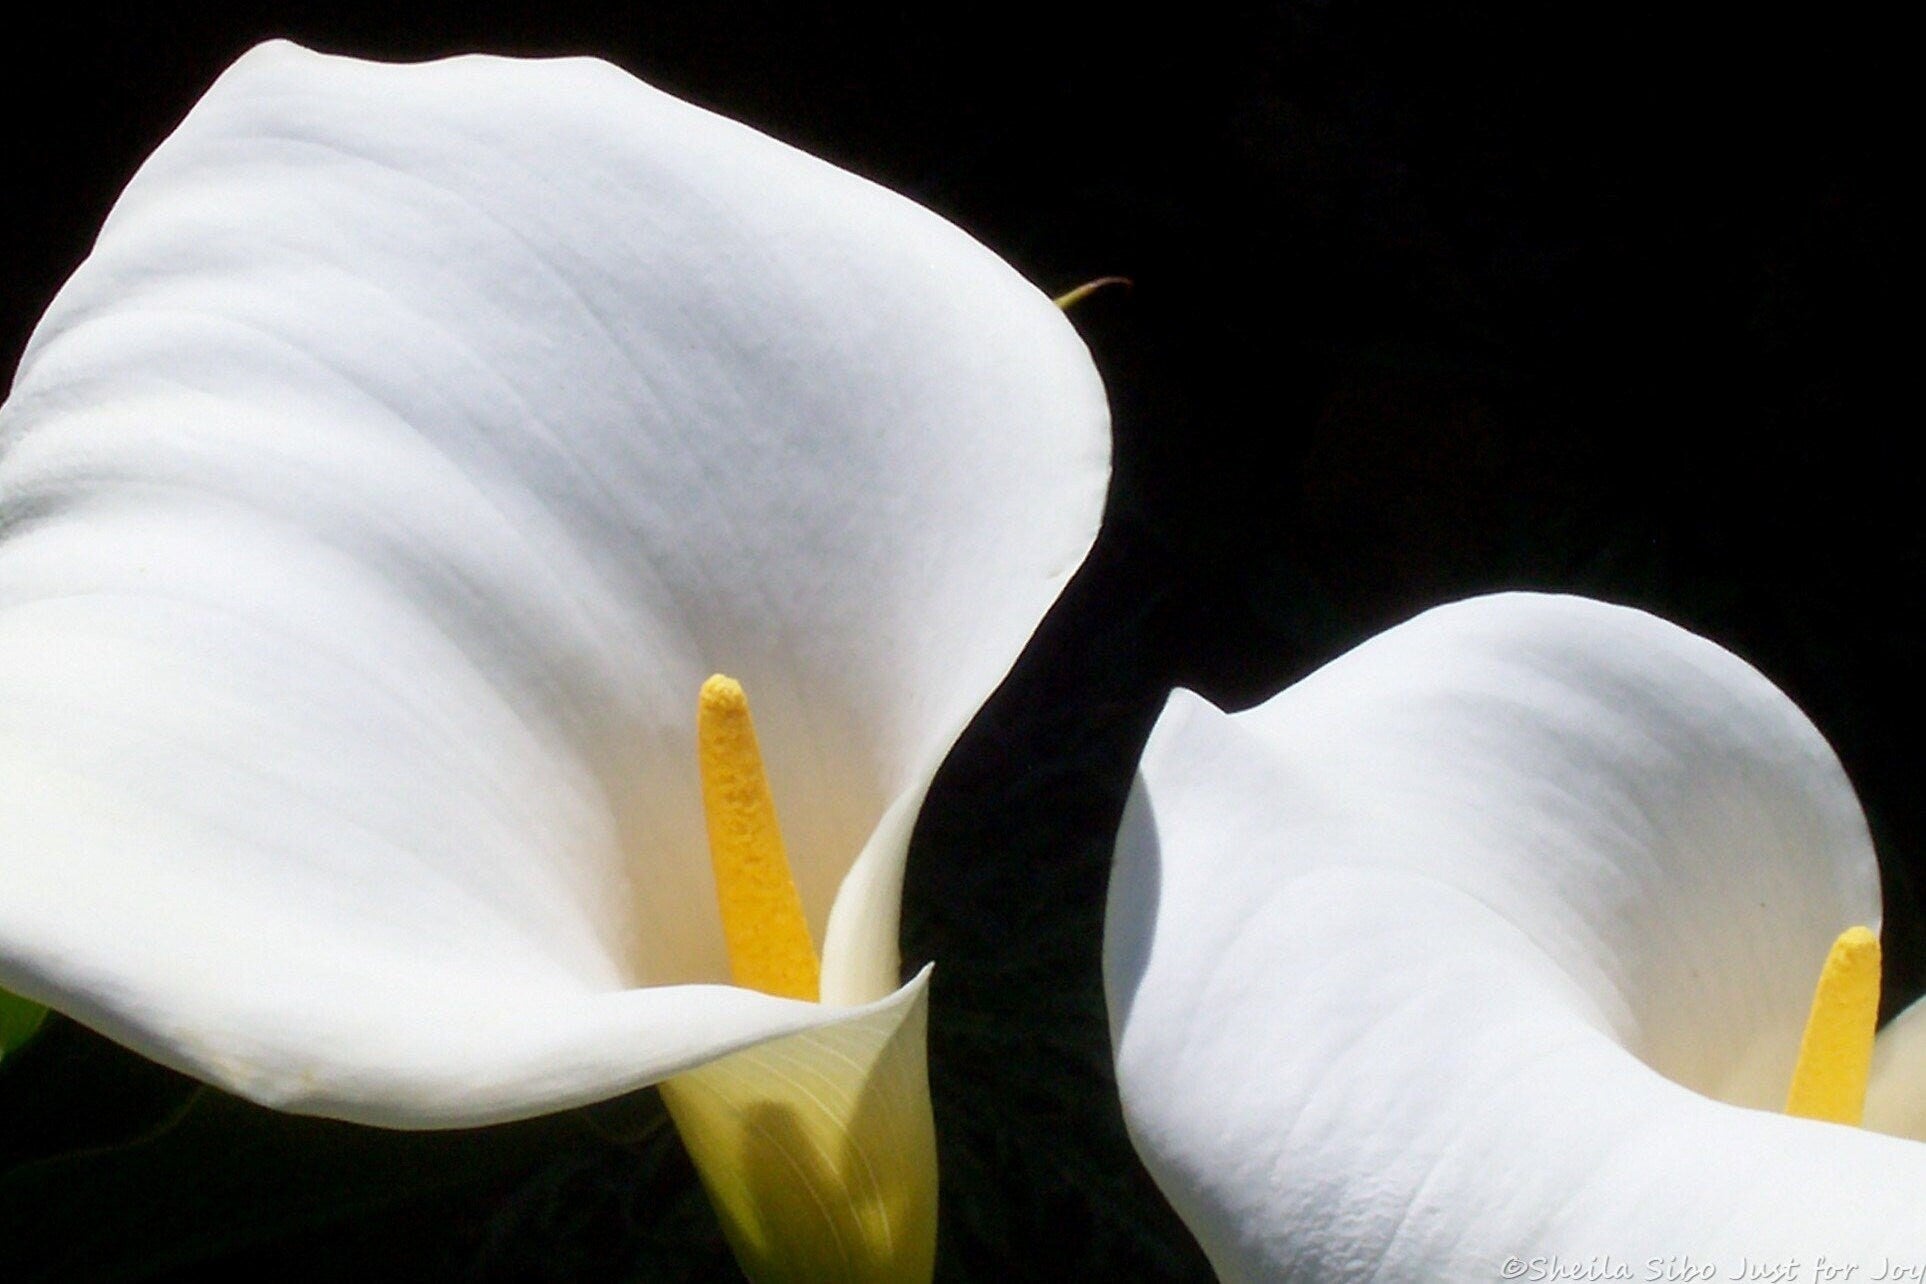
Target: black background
{"type": "Point", "coordinates": [1428, 301]}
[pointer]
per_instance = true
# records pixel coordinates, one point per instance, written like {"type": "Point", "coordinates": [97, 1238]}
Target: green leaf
{"type": "Point", "coordinates": [19, 1018]}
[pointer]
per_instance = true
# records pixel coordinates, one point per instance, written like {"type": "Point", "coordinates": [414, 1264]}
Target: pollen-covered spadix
{"type": "Point", "coordinates": [1835, 1053]}
{"type": "Point", "coordinates": [762, 916]}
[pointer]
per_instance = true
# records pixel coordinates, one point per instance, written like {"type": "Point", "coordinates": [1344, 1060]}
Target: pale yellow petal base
{"type": "Point", "coordinates": [819, 1150]}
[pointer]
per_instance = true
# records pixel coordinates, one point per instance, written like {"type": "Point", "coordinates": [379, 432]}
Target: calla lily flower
{"type": "Point", "coordinates": [1487, 951]}
{"type": "Point", "coordinates": [374, 501]}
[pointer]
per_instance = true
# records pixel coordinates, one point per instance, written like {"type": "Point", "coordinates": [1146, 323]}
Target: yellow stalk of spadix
{"type": "Point", "coordinates": [1835, 1055]}
{"type": "Point", "coordinates": [762, 915]}
{"type": "Point", "coordinates": [818, 1150]}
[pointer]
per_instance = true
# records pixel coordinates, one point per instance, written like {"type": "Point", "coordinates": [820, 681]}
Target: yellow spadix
{"type": "Point", "coordinates": [1835, 1056]}
{"type": "Point", "coordinates": [818, 1150]}
{"type": "Point", "coordinates": [762, 915]}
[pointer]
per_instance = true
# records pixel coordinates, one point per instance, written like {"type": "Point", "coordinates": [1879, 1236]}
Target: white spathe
{"type": "Point", "coordinates": [373, 502]}
{"type": "Point", "coordinates": [1493, 941]}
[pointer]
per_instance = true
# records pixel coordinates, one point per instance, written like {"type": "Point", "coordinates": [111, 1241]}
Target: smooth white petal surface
{"type": "Point", "coordinates": [374, 500]}
{"type": "Point", "coordinates": [1443, 955]}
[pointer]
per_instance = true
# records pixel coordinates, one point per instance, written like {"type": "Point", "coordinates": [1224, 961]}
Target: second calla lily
{"type": "Point", "coordinates": [1486, 952]}
{"type": "Point", "coordinates": [374, 502]}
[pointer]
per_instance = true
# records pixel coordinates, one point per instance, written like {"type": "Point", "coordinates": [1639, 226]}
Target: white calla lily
{"type": "Point", "coordinates": [376, 498]}
{"type": "Point", "coordinates": [1485, 952]}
